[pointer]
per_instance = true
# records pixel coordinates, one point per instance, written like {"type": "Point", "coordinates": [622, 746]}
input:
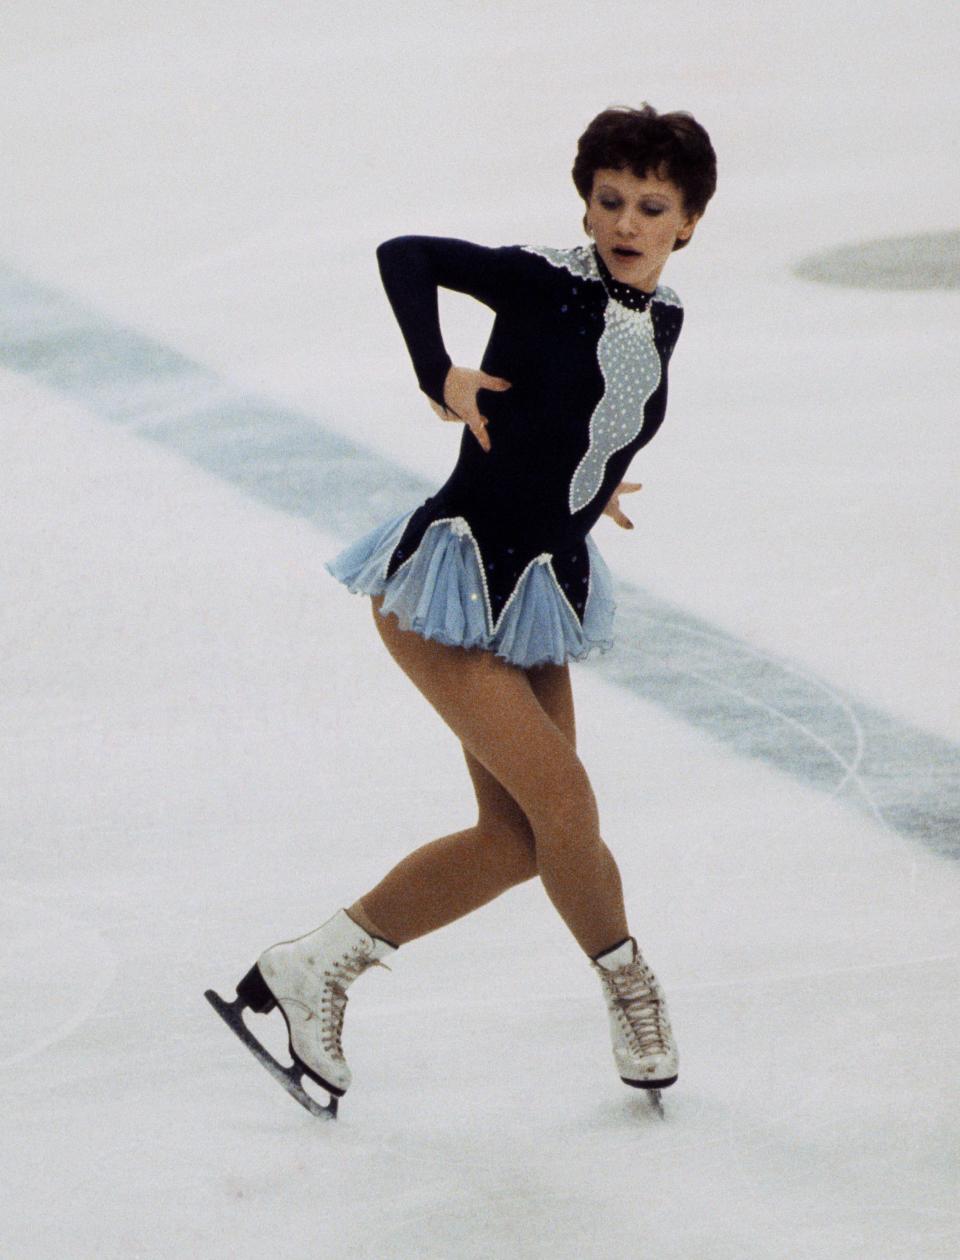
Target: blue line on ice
{"type": "Point", "coordinates": [755, 704]}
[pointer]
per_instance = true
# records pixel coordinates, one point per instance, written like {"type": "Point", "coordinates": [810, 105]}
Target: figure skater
{"type": "Point", "coordinates": [485, 591]}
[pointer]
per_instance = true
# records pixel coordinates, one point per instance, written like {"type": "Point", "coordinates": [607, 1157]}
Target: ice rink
{"type": "Point", "coordinates": [207, 749]}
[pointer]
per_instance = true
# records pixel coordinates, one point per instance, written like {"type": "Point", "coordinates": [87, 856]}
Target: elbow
{"type": "Point", "coordinates": [390, 248]}
{"type": "Point", "coordinates": [400, 246]}
{"type": "Point", "coordinates": [390, 256]}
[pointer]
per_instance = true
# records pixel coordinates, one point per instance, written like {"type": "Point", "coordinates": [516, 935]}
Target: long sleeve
{"type": "Point", "coordinates": [413, 268]}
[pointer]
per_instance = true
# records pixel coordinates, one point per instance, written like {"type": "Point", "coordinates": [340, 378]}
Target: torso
{"type": "Point", "coordinates": [587, 359]}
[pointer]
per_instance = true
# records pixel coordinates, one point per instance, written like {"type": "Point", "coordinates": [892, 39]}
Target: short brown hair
{"type": "Point", "coordinates": [672, 146]}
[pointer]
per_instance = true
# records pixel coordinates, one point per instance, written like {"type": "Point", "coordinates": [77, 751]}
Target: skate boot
{"type": "Point", "coordinates": [643, 1045]}
{"type": "Point", "coordinates": [308, 979]}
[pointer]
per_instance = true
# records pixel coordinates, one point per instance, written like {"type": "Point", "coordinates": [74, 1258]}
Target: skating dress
{"type": "Point", "coordinates": [501, 557]}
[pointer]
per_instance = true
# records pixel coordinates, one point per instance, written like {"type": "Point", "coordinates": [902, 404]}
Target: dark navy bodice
{"type": "Point", "coordinates": [587, 358]}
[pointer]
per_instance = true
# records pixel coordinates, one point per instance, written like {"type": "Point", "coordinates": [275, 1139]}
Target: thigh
{"type": "Point", "coordinates": [497, 811]}
{"type": "Point", "coordinates": [494, 710]}
{"type": "Point", "coordinates": [551, 686]}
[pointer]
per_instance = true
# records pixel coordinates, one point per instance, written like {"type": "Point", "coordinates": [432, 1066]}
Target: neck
{"type": "Point", "coordinates": [627, 294]}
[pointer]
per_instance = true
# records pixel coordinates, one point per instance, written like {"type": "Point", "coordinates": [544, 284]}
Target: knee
{"type": "Point", "coordinates": [511, 848]}
{"type": "Point", "coordinates": [567, 825]}
{"type": "Point", "coordinates": [567, 817]}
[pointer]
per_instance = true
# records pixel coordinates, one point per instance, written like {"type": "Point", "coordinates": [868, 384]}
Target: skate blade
{"type": "Point", "coordinates": [291, 1078]}
{"type": "Point", "coordinates": [656, 1102]}
{"type": "Point", "coordinates": [652, 1090]}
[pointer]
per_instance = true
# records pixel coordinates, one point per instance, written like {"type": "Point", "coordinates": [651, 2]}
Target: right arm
{"type": "Point", "coordinates": [413, 268]}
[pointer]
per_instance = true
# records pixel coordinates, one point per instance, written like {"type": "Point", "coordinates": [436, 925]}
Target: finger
{"type": "Point", "coordinates": [628, 487]}
{"type": "Point", "coordinates": [478, 428]}
{"type": "Point", "coordinates": [613, 511]}
{"type": "Point", "coordinates": [494, 382]}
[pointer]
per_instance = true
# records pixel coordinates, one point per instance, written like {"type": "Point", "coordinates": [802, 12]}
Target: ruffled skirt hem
{"type": "Point", "coordinates": [439, 592]}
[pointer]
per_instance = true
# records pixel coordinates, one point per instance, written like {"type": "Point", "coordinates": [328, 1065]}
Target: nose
{"type": "Point", "coordinates": [626, 222]}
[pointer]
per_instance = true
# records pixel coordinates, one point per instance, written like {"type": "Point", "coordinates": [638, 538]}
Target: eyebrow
{"type": "Point", "coordinates": [608, 188]}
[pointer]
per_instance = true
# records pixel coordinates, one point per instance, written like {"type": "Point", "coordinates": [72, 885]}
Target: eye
{"type": "Point", "coordinates": [653, 211]}
{"type": "Point", "coordinates": [609, 204]}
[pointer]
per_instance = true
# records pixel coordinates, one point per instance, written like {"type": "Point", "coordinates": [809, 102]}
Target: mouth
{"type": "Point", "coordinates": [622, 251]}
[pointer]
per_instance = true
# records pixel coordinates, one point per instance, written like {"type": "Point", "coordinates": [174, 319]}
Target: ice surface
{"type": "Point", "coordinates": [206, 748]}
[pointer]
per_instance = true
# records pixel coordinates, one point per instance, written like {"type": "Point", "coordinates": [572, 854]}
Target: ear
{"type": "Point", "coordinates": [686, 230]}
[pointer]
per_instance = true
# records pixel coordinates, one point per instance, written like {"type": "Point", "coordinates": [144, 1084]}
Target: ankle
{"type": "Point", "coordinates": [357, 913]}
{"type": "Point", "coordinates": [617, 955]}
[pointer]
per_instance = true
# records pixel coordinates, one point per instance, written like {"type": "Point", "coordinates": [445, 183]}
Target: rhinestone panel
{"type": "Point", "coordinates": [629, 363]}
{"type": "Point", "coordinates": [631, 372]}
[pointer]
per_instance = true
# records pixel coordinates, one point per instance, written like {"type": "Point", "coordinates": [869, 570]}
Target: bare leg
{"type": "Point", "coordinates": [449, 877]}
{"type": "Point", "coordinates": [537, 812]}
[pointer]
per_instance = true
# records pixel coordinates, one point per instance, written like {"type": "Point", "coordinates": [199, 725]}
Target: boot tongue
{"type": "Point", "coordinates": [617, 957]}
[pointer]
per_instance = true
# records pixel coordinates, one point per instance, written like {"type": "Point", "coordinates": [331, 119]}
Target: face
{"type": "Point", "coordinates": [635, 223]}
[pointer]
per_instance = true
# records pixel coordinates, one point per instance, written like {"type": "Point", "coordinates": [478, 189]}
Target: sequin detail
{"type": "Point", "coordinates": [582, 261]}
{"type": "Point", "coordinates": [579, 260]}
{"type": "Point", "coordinates": [631, 370]}
{"type": "Point", "coordinates": [438, 595]}
{"type": "Point", "coordinates": [460, 526]}
{"type": "Point", "coordinates": [629, 362]}
{"type": "Point", "coordinates": [667, 296]}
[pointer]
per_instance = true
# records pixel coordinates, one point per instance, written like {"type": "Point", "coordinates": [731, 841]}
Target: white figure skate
{"type": "Point", "coordinates": [643, 1046]}
{"type": "Point", "coordinates": [308, 979]}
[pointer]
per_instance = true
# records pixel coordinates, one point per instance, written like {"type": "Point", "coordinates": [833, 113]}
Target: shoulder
{"type": "Point", "coordinates": [667, 296]}
{"type": "Point", "coordinates": [577, 261]}
{"type": "Point", "coordinates": [666, 311]}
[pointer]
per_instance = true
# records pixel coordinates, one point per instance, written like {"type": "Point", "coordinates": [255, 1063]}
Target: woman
{"type": "Point", "coordinates": [485, 591]}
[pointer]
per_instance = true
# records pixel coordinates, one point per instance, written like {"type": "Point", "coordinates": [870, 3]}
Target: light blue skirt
{"type": "Point", "coordinates": [439, 592]}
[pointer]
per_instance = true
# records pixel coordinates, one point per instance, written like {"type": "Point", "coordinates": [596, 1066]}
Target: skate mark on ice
{"type": "Point", "coordinates": [64, 960]}
{"type": "Point", "coordinates": [850, 766]}
{"type": "Point", "coordinates": [768, 709]}
{"type": "Point", "coordinates": [756, 705]}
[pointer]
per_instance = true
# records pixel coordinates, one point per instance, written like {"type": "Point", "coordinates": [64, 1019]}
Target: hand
{"type": "Point", "coordinates": [460, 395]}
{"type": "Point", "coordinates": [613, 507]}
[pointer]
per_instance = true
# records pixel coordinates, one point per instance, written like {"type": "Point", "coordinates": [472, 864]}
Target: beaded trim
{"type": "Point", "coordinates": [461, 527]}
{"type": "Point", "coordinates": [629, 364]}
{"type": "Point", "coordinates": [667, 296]}
{"type": "Point", "coordinates": [546, 559]}
{"type": "Point", "coordinates": [631, 371]}
{"type": "Point", "coordinates": [581, 261]}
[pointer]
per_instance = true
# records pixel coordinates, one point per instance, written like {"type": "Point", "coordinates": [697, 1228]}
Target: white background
{"type": "Point", "coordinates": [205, 747]}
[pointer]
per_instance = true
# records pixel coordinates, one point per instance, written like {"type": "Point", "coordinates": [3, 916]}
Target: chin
{"type": "Point", "coordinates": [635, 273]}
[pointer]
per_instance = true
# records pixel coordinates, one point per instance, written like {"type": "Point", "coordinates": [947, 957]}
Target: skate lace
{"type": "Point", "coordinates": [633, 992]}
{"type": "Point", "coordinates": [333, 1001]}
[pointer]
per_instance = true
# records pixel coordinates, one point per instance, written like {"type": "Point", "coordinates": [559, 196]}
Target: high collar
{"type": "Point", "coordinates": [626, 294]}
